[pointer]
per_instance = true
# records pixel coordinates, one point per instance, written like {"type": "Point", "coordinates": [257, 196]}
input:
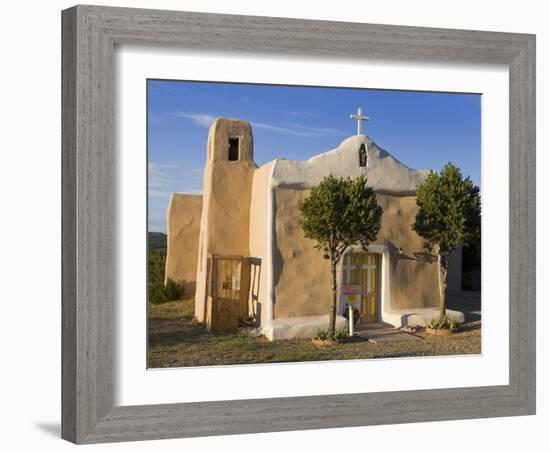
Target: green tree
{"type": "Point", "coordinates": [449, 214]}
{"type": "Point", "coordinates": [338, 213]}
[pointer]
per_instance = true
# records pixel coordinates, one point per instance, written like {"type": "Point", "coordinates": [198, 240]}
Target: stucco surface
{"type": "Point", "coordinates": [183, 227]}
{"type": "Point", "coordinates": [413, 275]}
{"type": "Point", "coordinates": [228, 209]}
{"type": "Point", "coordinates": [302, 276]}
{"type": "Point", "coordinates": [220, 130]}
{"type": "Point", "coordinates": [301, 327]}
{"type": "Point", "coordinates": [227, 190]}
{"type": "Point", "coordinates": [418, 316]}
{"type": "Point", "coordinates": [258, 241]}
{"type": "Point", "coordinates": [384, 172]}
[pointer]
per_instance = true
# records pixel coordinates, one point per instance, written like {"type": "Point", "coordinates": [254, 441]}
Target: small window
{"type": "Point", "coordinates": [362, 156]}
{"type": "Point", "coordinates": [233, 149]}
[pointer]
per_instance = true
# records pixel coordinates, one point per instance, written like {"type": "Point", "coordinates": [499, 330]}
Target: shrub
{"type": "Point", "coordinates": [452, 323]}
{"type": "Point", "coordinates": [324, 335]}
{"type": "Point", "coordinates": [340, 333]}
{"type": "Point", "coordinates": [173, 290]}
{"type": "Point", "coordinates": [445, 322]}
{"type": "Point", "coordinates": [157, 292]}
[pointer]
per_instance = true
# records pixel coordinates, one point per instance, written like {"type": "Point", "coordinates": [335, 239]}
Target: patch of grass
{"type": "Point", "coordinates": [174, 310]}
{"type": "Point", "coordinates": [176, 341]}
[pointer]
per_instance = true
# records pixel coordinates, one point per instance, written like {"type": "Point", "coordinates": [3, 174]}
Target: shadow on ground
{"type": "Point", "coordinates": [469, 302]}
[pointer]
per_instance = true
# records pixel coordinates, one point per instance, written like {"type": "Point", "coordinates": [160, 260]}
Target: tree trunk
{"type": "Point", "coordinates": [332, 315]}
{"type": "Point", "coordinates": [443, 265]}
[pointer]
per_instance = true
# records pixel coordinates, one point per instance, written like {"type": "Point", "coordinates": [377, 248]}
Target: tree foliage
{"type": "Point", "coordinates": [449, 215]}
{"type": "Point", "coordinates": [339, 213]}
{"type": "Point", "coordinates": [157, 291]}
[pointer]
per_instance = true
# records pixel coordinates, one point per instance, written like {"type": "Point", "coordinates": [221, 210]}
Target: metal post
{"type": "Point", "coordinates": [351, 331]}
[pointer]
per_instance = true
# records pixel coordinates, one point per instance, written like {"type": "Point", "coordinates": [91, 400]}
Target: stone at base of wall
{"type": "Point", "coordinates": [300, 327]}
{"type": "Point", "coordinates": [420, 316]}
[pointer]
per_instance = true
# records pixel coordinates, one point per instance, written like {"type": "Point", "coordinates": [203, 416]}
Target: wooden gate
{"type": "Point", "coordinates": [363, 268]}
{"type": "Point", "coordinates": [227, 286]}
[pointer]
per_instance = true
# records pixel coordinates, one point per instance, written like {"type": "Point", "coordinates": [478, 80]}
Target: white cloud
{"type": "Point", "coordinates": [158, 194]}
{"type": "Point", "coordinates": [295, 130]}
{"type": "Point", "coordinates": [153, 167]}
{"type": "Point", "coordinates": [319, 129]}
{"type": "Point", "coordinates": [161, 174]}
{"type": "Point", "coordinates": [205, 120]}
{"type": "Point", "coordinates": [171, 175]}
{"type": "Point", "coordinates": [163, 181]}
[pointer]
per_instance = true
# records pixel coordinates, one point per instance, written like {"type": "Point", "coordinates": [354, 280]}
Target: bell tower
{"type": "Point", "coordinates": [227, 189]}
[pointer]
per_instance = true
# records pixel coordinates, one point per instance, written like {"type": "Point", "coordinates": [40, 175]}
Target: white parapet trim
{"type": "Point", "coordinates": [417, 316]}
{"type": "Point", "coordinates": [384, 172]}
{"type": "Point", "coordinates": [300, 327]}
{"type": "Point", "coordinates": [271, 239]}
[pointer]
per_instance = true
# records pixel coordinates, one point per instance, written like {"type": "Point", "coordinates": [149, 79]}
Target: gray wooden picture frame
{"type": "Point", "coordinates": [90, 34]}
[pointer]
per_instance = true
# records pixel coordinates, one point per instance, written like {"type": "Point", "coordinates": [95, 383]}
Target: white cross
{"type": "Point", "coordinates": [359, 117]}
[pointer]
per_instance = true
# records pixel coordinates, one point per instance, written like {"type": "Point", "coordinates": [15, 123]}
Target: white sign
{"type": "Point", "coordinates": [352, 289]}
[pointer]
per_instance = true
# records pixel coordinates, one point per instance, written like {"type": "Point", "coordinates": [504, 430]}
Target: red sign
{"type": "Point", "coordinates": [352, 289]}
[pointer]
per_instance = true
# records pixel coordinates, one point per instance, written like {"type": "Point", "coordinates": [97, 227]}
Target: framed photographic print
{"type": "Point", "coordinates": [278, 224]}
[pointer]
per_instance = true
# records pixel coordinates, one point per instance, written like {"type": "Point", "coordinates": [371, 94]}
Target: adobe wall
{"type": "Point", "coordinates": [183, 226]}
{"type": "Point", "coordinates": [258, 241]}
{"type": "Point", "coordinates": [302, 276]}
{"type": "Point", "coordinates": [227, 189]}
{"type": "Point", "coordinates": [413, 275]}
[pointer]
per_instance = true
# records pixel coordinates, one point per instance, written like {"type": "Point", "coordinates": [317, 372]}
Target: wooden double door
{"type": "Point", "coordinates": [363, 268]}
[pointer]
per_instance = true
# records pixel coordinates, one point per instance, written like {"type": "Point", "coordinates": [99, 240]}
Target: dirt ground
{"type": "Point", "coordinates": [176, 341]}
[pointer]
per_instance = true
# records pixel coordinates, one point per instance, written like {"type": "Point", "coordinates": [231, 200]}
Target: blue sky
{"type": "Point", "coordinates": [424, 130]}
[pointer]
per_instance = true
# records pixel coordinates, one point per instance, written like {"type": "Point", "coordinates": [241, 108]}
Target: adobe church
{"type": "Point", "coordinates": [240, 249]}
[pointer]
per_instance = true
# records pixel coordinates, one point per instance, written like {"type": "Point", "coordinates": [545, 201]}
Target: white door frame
{"type": "Point", "coordinates": [384, 252]}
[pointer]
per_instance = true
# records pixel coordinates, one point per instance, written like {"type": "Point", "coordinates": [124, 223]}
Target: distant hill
{"type": "Point", "coordinates": [157, 241]}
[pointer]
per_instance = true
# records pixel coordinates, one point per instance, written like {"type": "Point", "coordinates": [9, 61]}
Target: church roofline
{"type": "Point", "coordinates": [383, 171]}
